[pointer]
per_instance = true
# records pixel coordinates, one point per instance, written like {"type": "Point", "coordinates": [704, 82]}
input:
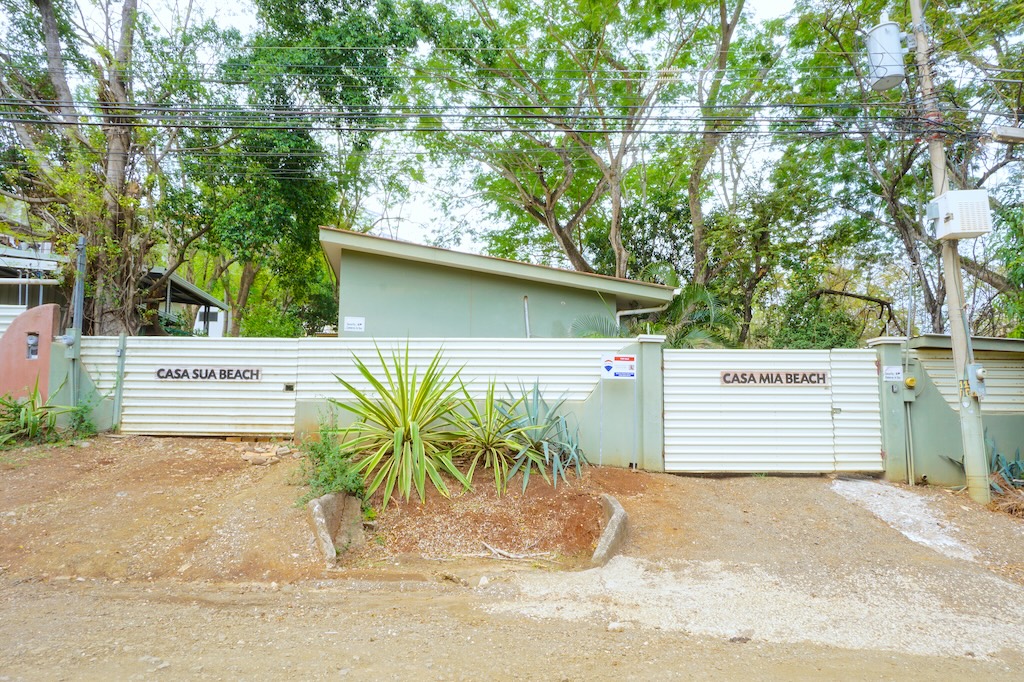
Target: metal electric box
{"type": "Point", "coordinates": [961, 214]}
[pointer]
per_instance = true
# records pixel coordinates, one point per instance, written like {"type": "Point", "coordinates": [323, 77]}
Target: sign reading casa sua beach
{"type": "Point", "coordinates": [209, 374]}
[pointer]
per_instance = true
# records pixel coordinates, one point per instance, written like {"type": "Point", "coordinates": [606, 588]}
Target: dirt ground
{"type": "Point", "coordinates": [138, 558]}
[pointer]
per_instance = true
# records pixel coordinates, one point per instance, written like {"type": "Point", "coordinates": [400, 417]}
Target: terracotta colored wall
{"type": "Point", "coordinates": [18, 373]}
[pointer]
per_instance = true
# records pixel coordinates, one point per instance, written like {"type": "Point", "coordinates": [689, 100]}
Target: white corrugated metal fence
{"type": "Point", "coordinates": [306, 369]}
{"type": "Point", "coordinates": [160, 406]}
{"type": "Point", "coordinates": [1003, 393]}
{"type": "Point", "coordinates": [711, 424]}
{"type": "Point", "coordinates": [717, 423]}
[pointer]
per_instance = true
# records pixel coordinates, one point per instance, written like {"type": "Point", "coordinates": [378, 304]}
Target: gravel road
{"type": "Point", "coordinates": [721, 578]}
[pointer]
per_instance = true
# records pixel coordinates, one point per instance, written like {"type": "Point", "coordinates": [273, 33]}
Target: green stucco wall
{"type": "Point", "coordinates": [621, 423]}
{"type": "Point", "coordinates": [934, 427]}
{"type": "Point", "coordinates": [409, 299]}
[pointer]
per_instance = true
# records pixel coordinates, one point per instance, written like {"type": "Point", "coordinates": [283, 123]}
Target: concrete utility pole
{"type": "Point", "coordinates": [972, 431]}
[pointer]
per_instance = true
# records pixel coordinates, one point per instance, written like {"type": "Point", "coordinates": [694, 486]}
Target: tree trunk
{"type": "Point", "coordinates": [565, 240]}
{"type": "Point", "coordinates": [615, 229]}
{"type": "Point", "coordinates": [248, 276]}
{"type": "Point", "coordinates": [700, 247]}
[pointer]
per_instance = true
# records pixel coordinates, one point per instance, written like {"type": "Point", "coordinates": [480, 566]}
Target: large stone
{"type": "Point", "coordinates": [336, 520]}
{"type": "Point", "coordinates": [257, 458]}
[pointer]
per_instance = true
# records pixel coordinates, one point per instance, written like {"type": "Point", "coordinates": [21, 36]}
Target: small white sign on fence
{"type": "Point", "coordinates": [618, 367]}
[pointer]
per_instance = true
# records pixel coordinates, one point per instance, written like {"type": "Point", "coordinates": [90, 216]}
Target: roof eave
{"type": "Point", "coordinates": [627, 293]}
{"type": "Point", "coordinates": [200, 297]}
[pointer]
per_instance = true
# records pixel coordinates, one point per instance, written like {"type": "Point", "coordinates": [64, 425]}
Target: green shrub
{"type": "Point", "coordinates": [328, 466]}
{"type": "Point", "coordinates": [28, 420]}
{"type": "Point", "coordinates": [401, 436]}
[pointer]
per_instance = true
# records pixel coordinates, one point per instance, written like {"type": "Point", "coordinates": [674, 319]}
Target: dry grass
{"type": "Point", "coordinates": [1012, 502]}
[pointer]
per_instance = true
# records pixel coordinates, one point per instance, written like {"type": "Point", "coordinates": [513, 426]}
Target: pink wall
{"type": "Point", "coordinates": [18, 372]}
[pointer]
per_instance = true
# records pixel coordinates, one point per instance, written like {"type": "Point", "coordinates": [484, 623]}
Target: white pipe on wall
{"type": "Point", "coordinates": [526, 314]}
{"type": "Point", "coordinates": [642, 311]}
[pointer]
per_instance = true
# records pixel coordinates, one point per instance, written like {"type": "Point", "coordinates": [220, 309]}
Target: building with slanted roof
{"type": "Point", "coordinates": [29, 277]}
{"type": "Point", "coordinates": [390, 288]}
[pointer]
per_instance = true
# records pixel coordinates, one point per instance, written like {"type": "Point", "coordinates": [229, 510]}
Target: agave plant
{"type": "Point", "coordinates": [487, 434]}
{"type": "Point", "coordinates": [543, 435]}
{"type": "Point", "coordinates": [28, 419]}
{"type": "Point", "coordinates": [401, 435]}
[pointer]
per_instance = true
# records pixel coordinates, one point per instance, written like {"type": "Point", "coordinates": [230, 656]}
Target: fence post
{"type": "Point", "coordinates": [122, 351]}
{"type": "Point", "coordinates": [893, 396]}
{"type": "Point", "coordinates": [651, 403]}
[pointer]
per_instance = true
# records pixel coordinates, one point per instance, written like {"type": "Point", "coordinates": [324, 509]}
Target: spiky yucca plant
{"type": "Point", "coordinates": [402, 434]}
{"type": "Point", "coordinates": [487, 435]}
{"type": "Point", "coordinates": [28, 419]}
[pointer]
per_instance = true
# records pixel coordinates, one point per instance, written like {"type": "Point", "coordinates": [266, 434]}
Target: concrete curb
{"type": "Point", "coordinates": [614, 531]}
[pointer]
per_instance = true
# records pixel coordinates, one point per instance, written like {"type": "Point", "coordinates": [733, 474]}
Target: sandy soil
{"type": "Point", "coordinates": [138, 558]}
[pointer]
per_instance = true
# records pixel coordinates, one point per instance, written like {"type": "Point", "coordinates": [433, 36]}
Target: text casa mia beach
{"type": "Point", "coordinates": [774, 378]}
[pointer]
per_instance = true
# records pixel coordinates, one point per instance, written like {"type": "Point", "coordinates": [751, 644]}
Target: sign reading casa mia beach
{"type": "Point", "coordinates": [209, 374]}
{"type": "Point", "coordinates": [731, 377]}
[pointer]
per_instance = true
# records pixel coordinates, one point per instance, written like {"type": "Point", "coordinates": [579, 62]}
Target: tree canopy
{"type": "Point", "coordinates": [747, 156]}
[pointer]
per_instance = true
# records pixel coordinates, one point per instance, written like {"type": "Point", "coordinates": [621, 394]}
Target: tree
{"type": "Point", "coordinates": [727, 88]}
{"type": "Point", "coordinates": [317, 72]}
{"type": "Point", "coordinates": [877, 164]}
{"type": "Point", "coordinates": [76, 81]}
{"type": "Point", "coordinates": [815, 323]}
{"type": "Point", "coordinates": [549, 101]}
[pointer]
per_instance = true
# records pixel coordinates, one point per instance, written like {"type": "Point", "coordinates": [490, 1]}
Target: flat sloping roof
{"type": "Point", "coordinates": [989, 343]}
{"type": "Point", "coordinates": [626, 292]}
{"type": "Point", "coordinates": [15, 261]}
{"type": "Point", "coordinates": [183, 291]}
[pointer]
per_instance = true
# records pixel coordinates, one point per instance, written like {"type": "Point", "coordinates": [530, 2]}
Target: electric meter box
{"type": "Point", "coordinates": [961, 214]}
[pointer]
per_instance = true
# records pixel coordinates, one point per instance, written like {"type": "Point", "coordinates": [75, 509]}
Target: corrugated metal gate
{"type": "Point", "coordinates": [768, 411]}
{"type": "Point", "coordinates": [156, 406]}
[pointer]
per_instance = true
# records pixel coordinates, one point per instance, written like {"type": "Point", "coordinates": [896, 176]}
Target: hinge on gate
{"type": "Point", "coordinates": [837, 410]}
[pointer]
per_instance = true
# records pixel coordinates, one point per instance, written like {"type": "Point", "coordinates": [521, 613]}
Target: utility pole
{"type": "Point", "coordinates": [74, 353]}
{"type": "Point", "coordinates": [972, 431]}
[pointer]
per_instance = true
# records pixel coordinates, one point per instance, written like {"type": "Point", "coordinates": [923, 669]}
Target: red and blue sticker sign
{"type": "Point", "coordinates": [618, 367]}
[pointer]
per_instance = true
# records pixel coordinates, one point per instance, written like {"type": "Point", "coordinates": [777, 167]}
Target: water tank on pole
{"type": "Point", "coordinates": [885, 55]}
